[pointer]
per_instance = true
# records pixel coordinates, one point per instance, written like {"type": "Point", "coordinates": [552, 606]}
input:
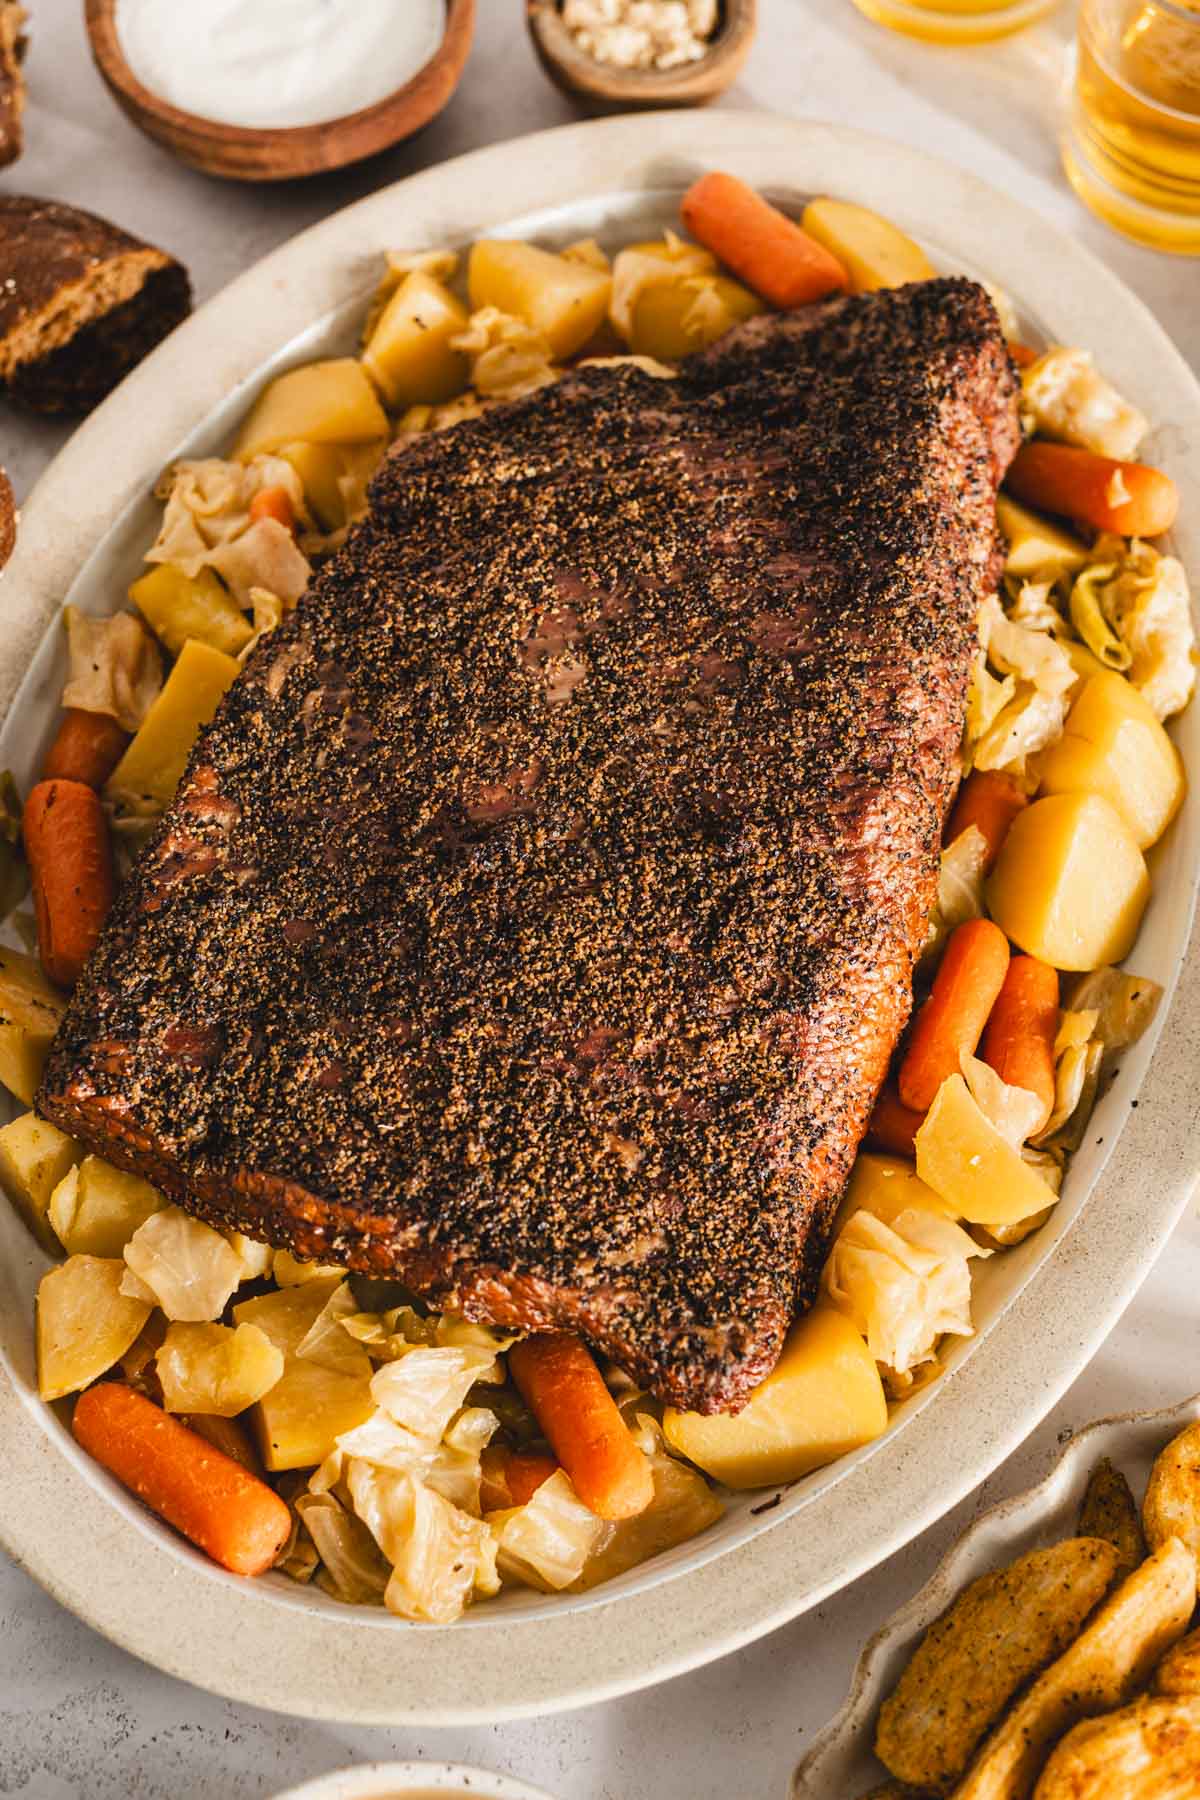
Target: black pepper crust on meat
{"type": "Point", "coordinates": [536, 918]}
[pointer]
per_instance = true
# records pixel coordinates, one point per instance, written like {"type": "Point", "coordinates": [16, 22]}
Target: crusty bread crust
{"type": "Point", "coordinates": [80, 302]}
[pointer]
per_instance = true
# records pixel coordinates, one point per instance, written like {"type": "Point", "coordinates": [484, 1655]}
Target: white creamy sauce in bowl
{"type": "Point", "coordinates": [277, 63]}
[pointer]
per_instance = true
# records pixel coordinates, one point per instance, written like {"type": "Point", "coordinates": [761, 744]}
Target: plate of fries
{"type": "Point", "coordinates": [1055, 1651]}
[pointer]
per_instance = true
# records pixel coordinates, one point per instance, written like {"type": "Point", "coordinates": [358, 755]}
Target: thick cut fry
{"type": "Point", "coordinates": [71, 871]}
{"type": "Point", "coordinates": [989, 800]}
{"type": "Point", "coordinates": [225, 1511]}
{"type": "Point", "coordinates": [892, 1125]}
{"type": "Point", "coordinates": [950, 1023]}
{"type": "Point", "coordinates": [1125, 497]}
{"type": "Point", "coordinates": [1109, 1661]}
{"type": "Point", "coordinates": [760, 244]}
{"type": "Point", "coordinates": [1171, 1507]}
{"type": "Point", "coordinates": [1179, 1670]}
{"type": "Point", "coordinates": [1147, 1751]}
{"type": "Point", "coordinates": [562, 1386]}
{"type": "Point", "coordinates": [88, 748]}
{"type": "Point", "coordinates": [1004, 1628]}
{"type": "Point", "coordinates": [1018, 1040]}
{"type": "Point", "coordinates": [1108, 1510]}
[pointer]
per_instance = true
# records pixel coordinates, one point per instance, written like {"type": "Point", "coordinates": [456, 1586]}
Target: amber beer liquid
{"type": "Point", "coordinates": [956, 21]}
{"type": "Point", "coordinates": [1132, 142]}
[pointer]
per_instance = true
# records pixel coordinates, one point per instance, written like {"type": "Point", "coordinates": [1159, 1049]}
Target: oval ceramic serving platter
{"type": "Point", "coordinates": [1041, 1310]}
{"type": "Point", "coordinates": [840, 1760]}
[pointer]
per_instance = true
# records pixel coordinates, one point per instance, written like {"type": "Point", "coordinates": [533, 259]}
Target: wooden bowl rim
{"type": "Point", "coordinates": [101, 20]}
{"type": "Point", "coordinates": [729, 45]}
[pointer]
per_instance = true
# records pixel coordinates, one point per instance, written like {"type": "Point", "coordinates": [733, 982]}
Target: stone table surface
{"type": "Point", "coordinates": [80, 1720]}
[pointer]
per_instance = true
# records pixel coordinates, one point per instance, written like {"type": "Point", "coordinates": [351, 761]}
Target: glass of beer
{"type": "Point", "coordinates": [1131, 143]}
{"type": "Point", "coordinates": [956, 21]}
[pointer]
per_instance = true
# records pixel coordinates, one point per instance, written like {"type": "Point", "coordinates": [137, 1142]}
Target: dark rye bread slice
{"type": "Point", "coordinates": [537, 916]}
{"type": "Point", "coordinates": [12, 81]}
{"type": "Point", "coordinates": [81, 302]}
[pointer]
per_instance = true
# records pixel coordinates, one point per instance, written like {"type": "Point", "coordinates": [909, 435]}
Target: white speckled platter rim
{"type": "Point", "coordinates": [840, 1760]}
{"type": "Point", "coordinates": [1059, 1294]}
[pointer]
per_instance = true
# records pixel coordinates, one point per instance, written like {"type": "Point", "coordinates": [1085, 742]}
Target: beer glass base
{"type": "Point", "coordinates": [1159, 227]}
{"type": "Point", "coordinates": [937, 27]}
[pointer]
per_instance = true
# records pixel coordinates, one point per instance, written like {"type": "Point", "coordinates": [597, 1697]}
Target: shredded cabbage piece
{"type": "Point", "coordinates": [960, 887]}
{"type": "Point", "coordinates": [683, 1505]}
{"type": "Point", "coordinates": [353, 1568]}
{"type": "Point", "coordinates": [326, 1343]}
{"type": "Point", "coordinates": [1144, 604]}
{"type": "Point", "coordinates": [546, 1543]}
{"type": "Point", "coordinates": [113, 667]}
{"type": "Point", "coordinates": [1012, 1111]}
{"type": "Point", "coordinates": [1069, 399]}
{"type": "Point", "coordinates": [423, 1389]}
{"type": "Point", "coordinates": [440, 1556]}
{"type": "Point", "coordinates": [508, 357]}
{"type": "Point", "coordinates": [1033, 607]}
{"type": "Point", "coordinates": [635, 269]}
{"type": "Point", "coordinates": [904, 1285]}
{"type": "Point", "coordinates": [269, 612]}
{"type": "Point", "coordinates": [187, 1268]}
{"type": "Point", "coordinates": [1125, 1006]}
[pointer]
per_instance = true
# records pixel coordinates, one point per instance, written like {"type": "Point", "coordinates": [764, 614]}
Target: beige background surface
{"type": "Point", "coordinates": [79, 1718]}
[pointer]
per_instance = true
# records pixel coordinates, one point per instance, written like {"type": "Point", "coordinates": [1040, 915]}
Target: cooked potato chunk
{"type": "Point", "coordinates": [216, 1369]}
{"type": "Point", "coordinates": [322, 402]}
{"type": "Point", "coordinates": [1070, 400]}
{"type": "Point", "coordinates": [409, 355]}
{"type": "Point", "coordinates": [976, 1173]}
{"type": "Point", "coordinates": [332, 473]}
{"type": "Point", "coordinates": [1171, 1506]}
{"type": "Point", "coordinates": [153, 763]}
{"type": "Point", "coordinates": [1179, 1670]}
{"type": "Point", "coordinates": [1036, 546]}
{"type": "Point", "coordinates": [886, 1186]}
{"type": "Point", "coordinates": [84, 1323]}
{"type": "Point", "coordinates": [310, 1405]}
{"type": "Point", "coordinates": [680, 314]}
{"type": "Point", "coordinates": [1113, 745]}
{"type": "Point", "coordinates": [1109, 1661]}
{"type": "Point", "coordinates": [1147, 1751]}
{"type": "Point", "coordinates": [95, 1209]}
{"type": "Point", "coordinates": [564, 301]}
{"type": "Point", "coordinates": [34, 1158]}
{"type": "Point", "coordinates": [1001, 1631]}
{"type": "Point", "coordinates": [30, 1010]}
{"type": "Point", "coordinates": [1070, 885]}
{"type": "Point", "coordinates": [178, 606]}
{"type": "Point", "coordinates": [1109, 1511]}
{"type": "Point", "coordinates": [289, 1271]}
{"type": "Point", "coordinates": [822, 1399]}
{"type": "Point", "coordinates": [874, 252]}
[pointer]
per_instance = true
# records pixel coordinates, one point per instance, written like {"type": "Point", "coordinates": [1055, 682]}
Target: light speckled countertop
{"type": "Point", "coordinates": [82, 1721]}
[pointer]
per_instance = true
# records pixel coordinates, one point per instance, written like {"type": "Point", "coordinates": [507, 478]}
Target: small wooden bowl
{"type": "Point", "coordinates": [244, 153]}
{"type": "Point", "coordinates": [606, 89]}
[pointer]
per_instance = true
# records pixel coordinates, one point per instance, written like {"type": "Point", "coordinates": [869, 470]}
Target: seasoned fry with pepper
{"type": "Point", "coordinates": [1109, 1511]}
{"type": "Point", "coordinates": [1002, 1630]}
{"type": "Point", "coordinates": [1147, 1751]}
{"type": "Point", "coordinates": [1107, 1663]}
{"type": "Point", "coordinates": [1179, 1670]}
{"type": "Point", "coordinates": [1171, 1507]}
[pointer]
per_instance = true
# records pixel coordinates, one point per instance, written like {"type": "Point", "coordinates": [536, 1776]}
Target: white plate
{"type": "Point", "coordinates": [1042, 1308]}
{"type": "Point", "coordinates": [393, 1781]}
{"type": "Point", "coordinates": [840, 1760]}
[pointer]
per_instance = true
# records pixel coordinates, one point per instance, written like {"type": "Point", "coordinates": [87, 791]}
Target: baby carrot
{"type": "Point", "coordinates": [236, 1518]}
{"type": "Point", "coordinates": [88, 748]}
{"type": "Point", "coordinates": [768, 250]}
{"type": "Point", "coordinates": [563, 1388]}
{"type": "Point", "coordinates": [71, 873]}
{"type": "Point", "coordinates": [1021, 354]}
{"type": "Point", "coordinates": [1125, 497]}
{"type": "Point", "coordinates": [1018, 1040]}
{"type": "Point", "coordinates": [989, 800]}
{"type": "Point", "coordinates": [950, 1023]}
{"type": "Point", "coordinates": [513, 1477]}
{"type": "Point", "coordinates": [893, 1126]}
{"type": "Point", "coordinates": [273, 503]}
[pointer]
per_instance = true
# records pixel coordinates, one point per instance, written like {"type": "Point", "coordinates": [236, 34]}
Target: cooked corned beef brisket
{"type": "Point", "coordinates": [537, 916]}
